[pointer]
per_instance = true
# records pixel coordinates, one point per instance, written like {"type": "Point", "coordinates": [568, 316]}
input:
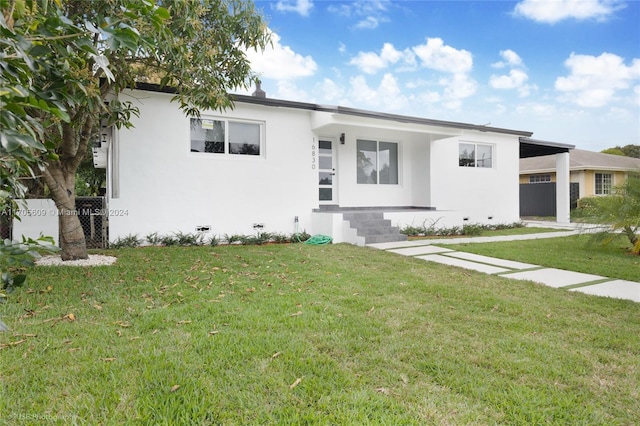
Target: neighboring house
{"type": "Point", "coordinates": [281, 166]}
{"type": "Point", "coordinates": [594, 172]}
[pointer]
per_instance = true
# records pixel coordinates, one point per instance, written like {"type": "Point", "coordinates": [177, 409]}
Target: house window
{"type": "Point", "coordinates": [377, 162]}
{"type": "Point", "coordinates": [539, 178]}
{"type": "Point", "coordinates": [604, 182]}
{"type": "Point", "coordinates": [226, 137]}
{"type": "Point", "coordinates": [475, 155]}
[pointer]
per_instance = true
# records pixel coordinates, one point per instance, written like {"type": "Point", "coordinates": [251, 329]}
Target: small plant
{"type": "Point", "coordinates": [130, 240]}
{"type": "Point", "coordinates": [472, 229]}
{"type": "Point", "coordinates": [414, 231]}
{"type": "Point", "coordinates": [258, 239]}
{"type": "Point", "coordinates": [168, 240]}
{"type": "Point", "coordinates": [16, 256]}
{"type": "Point", "coordinates": [214, 241]}
{"type": "Point", "coordinates": [280, 238]}
{"type": "Point", "coordinates": [233, 238]}
{"type": "Point", "coordinates": [154, 239]}
{"type": "Point", "coordinates": [300, 237]}
{"type": "Point", "coordinates": [187, 239]}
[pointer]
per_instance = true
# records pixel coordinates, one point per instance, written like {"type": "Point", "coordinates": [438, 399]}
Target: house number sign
{"type": "Point", "coordinates": [313, 155]}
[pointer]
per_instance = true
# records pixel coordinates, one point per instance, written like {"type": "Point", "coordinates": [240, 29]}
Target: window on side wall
{"type": "Point", "coordinates": [604, 182]}
{"type": "Point", "coordinates": [539, 178]}
{"type": "Point", "coordinates": [377, 162]}
{"type": "Point", "coordinates": [475, 155]}
{"type": "Point", "coordinates": [217, 136]}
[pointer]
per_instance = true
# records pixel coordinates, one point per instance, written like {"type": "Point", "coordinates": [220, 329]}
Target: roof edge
{"type": "Point", "coordinates": [150, 87]}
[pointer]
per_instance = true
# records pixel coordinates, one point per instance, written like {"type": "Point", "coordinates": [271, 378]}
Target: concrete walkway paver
{"type": "Point", "coordinates": [619, 289]}
{"type": "Point", "coordinates": [415, 251]}
{"type": "Point", "coordinates": [588, 283]}
{"type": "Point", "coordinates": [452, 261]}
{"type": "Point", "coordinates": [469, 240]}
{"type": "Point", "coordinates": [555, 277]}
{"type": "Point", "coordinates": [491, 260]}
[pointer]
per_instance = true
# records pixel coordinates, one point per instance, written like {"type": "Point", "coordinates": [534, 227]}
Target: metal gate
{"type": "Point", "coordinates": [92, 212]}
{"type": "Point", "coordinates": [539, 199]}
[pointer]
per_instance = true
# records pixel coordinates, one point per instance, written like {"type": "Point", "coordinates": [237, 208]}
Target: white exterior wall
{"type": "Point", "coordinates": [165, 188]}
{"type": "Point", "coordinates": [477, 193]}
{"type": "Point", "coordinates": [413, 160]}
{"type": "Point", "coordinates": [37, 217]}
{"type": "Point", "coordinates": [158, 185]}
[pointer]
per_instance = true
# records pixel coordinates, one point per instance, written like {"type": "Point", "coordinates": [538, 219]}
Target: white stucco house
{"type": "Point", "coordinates": [282, 166]}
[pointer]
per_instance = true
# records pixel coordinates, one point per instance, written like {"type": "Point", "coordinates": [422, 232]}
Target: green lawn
{"type": "Point", "coordinates": [494, 233]}
{"type": "Point", "coordinates": [575, 253]}
{"type": "Point", "coordinates": [296, 334]}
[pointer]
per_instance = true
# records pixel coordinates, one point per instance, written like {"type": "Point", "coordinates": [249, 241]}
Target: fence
{"type": "Point", "coordinates": [539, 199]}
{"type": "Point", "coordinates": [92, 212]}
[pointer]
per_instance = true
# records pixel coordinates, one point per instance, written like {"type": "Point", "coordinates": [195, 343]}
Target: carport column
{"type": "Point", "coordinates": [562, 188]}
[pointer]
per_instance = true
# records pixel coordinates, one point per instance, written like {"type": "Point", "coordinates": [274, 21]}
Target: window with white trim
{"type": "Point", "coordinates": [475, 155]}
{"type": "Point", "coordinates": [377, 162]}
{"type": "Point", "coordinates": [219, 136]}
{"type": "Point", "coordinates": [539, 178]}
{"type": "Point", "coordinates": [604, 182]}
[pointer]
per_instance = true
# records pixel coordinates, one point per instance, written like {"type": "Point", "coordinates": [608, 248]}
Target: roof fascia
{"type": "Point", "coordinates": [349, 111]}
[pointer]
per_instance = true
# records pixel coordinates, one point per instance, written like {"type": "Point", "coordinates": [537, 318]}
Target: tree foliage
{"type": "Point", "coordinates": [67, 62]}
{"type": "Point", "coordinates": [618, 212]}
{"type": "Point", "coordinates": [627, 151]}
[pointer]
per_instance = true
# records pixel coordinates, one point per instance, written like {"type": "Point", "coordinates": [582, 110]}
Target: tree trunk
{"type": "Point", "coordinates": [60, 177]}
{"type": "Point", "coordinates": [72, 242]}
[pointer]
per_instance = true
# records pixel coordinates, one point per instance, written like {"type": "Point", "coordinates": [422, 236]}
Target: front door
{"type": "Point", "coordinates": [327, 171]}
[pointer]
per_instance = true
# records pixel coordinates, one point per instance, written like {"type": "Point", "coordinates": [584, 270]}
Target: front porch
{"type": "Point", "coordinates": [371, 225]}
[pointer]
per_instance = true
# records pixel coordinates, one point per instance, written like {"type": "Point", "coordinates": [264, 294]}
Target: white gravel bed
{"type": "Point", "coordinates": [93, 260]}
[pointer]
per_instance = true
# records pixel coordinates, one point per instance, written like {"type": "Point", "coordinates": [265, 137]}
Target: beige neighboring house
{"type": "Point", "coordinates": [595, 172]}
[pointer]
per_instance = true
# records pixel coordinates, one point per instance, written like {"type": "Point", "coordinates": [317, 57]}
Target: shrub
{"type": "Point", "coordinates": [154, 239]}
{"type": "Point", "coordinates": [186, 239]}
{"type": "Point", "coordinates": [472, 229]}
{"type": "Point", "coordinates": [280, 238]}
{"type": "Point", "coordinates": [300, 237]}
{"type": "Point", "coordinates": [130, 240]}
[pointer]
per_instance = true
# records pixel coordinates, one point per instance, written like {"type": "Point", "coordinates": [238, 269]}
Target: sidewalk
{"type": "Point", "coordinates": [572, 281]}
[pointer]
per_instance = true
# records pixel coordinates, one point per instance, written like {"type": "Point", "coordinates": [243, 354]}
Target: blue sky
{"type": "Point", "coordinates": [567, 70]}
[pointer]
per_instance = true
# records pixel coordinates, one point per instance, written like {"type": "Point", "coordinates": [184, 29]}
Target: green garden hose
{"type": "Point", "coordinates": [318, 239]}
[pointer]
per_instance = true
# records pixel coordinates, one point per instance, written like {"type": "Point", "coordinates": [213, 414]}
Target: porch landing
{"type": "Point", "coordinates": [324, 208]}
{"type": "Point", "coordinates": [373, 225]}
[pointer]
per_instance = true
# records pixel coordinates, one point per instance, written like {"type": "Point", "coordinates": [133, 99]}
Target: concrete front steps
{"type": "Point", "coordinates": [373, 227]}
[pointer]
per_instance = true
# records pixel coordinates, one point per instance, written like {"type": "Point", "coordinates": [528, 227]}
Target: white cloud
{"type": "Point", "coordinates": [370, 12]}
{"type": "Point", "coordinates": [456, 62]}
{"type": "Point", "coordinates": [371, 62]}
{"type": "Point", "coordinates": [510, 59]}
{"type": "Point", "coordinates": [301, 7]}
{"type": "Point", "coordinates": [388, 93]}
{"type": "Point", "coordinates": [515, 79]}
{"type": "Point", "coordinates": [594, 81]}
{"type": "Point", "coordinates": [368, 23]}
{"type": "Point", "coordinates": [537, 109]}
{"type": "Point", "coordinates": [456, 88]}
{"type": "Point", "coordinates": [436, 55]}
{"type": "Point", "coordinates": [331, 91]}
{"type": "Point", "coordinates": [289, 90]}
{"type": "Point", "coordinates": [281, 62]}
{"type": "Point", "coordinates": [550, 12]}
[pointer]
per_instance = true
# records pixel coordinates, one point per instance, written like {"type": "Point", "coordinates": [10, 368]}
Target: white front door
{"type": "Point", "coordinates": [327, 171]}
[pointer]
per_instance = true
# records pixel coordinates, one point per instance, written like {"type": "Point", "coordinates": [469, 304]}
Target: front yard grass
{"type": "Point", "coordinates": [575, 253]}
{"type": "Point", "coordinates": [494, 233]}
{"type": "Point", "coordinates": [297, 334]}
